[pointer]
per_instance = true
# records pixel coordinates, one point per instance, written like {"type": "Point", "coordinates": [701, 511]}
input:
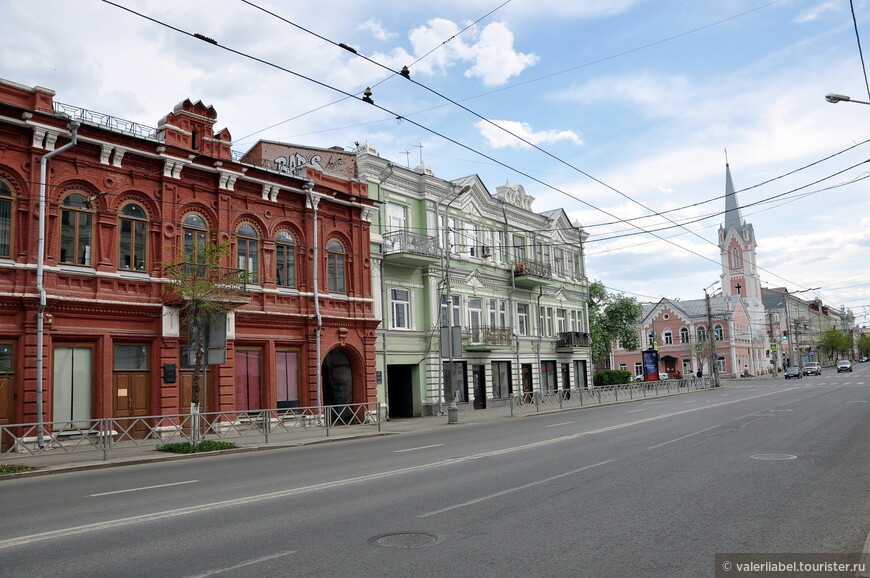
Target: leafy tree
{"type": "Point", "coordinates": [864, 345]}
{"type": "Point", "coordinates": [205, 291]}
{"type": "Point", "coordinates": [834, 343]}
{"type": "Point", "coordinates": [612, 316]}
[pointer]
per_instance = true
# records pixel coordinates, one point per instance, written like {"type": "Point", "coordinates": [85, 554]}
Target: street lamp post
{"type": "Point", "coordinates": [444, 251]}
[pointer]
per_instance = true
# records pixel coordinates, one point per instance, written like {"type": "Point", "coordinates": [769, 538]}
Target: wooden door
{"type": "Point", "coordinates": [132, 400]}
{"type": "Point", "coordinates": [8, 395]}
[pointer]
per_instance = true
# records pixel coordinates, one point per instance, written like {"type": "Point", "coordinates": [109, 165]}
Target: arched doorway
{"type": "Point", "coordinates": [337, 377]}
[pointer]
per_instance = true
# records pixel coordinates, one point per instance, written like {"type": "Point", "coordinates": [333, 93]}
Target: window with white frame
{"type": "Point", "coordinates": [668, 337]}
{"type": "Point", "coordinates": [623, 366]}
{"type": "Point", "coordinates": [471, 240]}
{"type": "Point", "coordinates": [638, 368]}
{"type": "Point", "coordinates": [684, 335]}
{"type": "Point", "coordinates": [475, 317]}
{"type": "Point", "coordinates": [702, 333]}
{"type": "Point", "coordinates": [400, 304]}
{"type": "Point", "coordinates": [560, 321]}
{"type": "Point", "coordinates": [718, 332]}
{"type": "Point", "coordinates": [456, 319]}
{"type": "Point", "coordinates": [558, 262]}
{"type": "Point", "coordinates": [522, 319]}
{"type": "Point", "coordinates": [578, 265]}
{"type": "Point", "coordinates": [396, 217]}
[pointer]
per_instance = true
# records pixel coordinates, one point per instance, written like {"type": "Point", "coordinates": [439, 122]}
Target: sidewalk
{"type": "Point", "coordinates": [60, 461]}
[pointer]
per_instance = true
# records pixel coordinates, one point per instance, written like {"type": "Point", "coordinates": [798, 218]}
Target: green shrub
{"type": "Point", "coordinates": [611, 377]}
{"type": "Point", "coordinates": [10, 469]}
{"type": "Point", "coordinates": [189, 448]}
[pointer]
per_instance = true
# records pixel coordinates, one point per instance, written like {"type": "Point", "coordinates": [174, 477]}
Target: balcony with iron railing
{"type": "Point", "coordinates": [532, 273]}
{"type": "Point", "coordinates": [409, 248]}
{"type": "Point", "coordinates": [572, 340]}
{"type": "Point", "coordinates": [487, 338]}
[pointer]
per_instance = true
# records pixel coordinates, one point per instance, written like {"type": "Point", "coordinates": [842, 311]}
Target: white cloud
{"type": "Point", "coordinates": [493, 56]}
{"type": "Point", "coordinates": [500, 139]}
{"type": "Point", "coordinates": [377, 30]}
{"type": "Point", "coordinates": [495, 59]}
{"type": "Point", "coordinates": [815, 12]}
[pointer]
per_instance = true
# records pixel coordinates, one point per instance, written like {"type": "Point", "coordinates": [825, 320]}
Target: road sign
{"type": "Point", "coordinates": [699, 348]}
{"type": "Point", "coordinates": [774, 347]}
{"type": "Point", "coordinates": [714, 357]}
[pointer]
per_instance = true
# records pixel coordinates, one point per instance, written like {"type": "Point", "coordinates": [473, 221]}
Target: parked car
{"type": "Point", "coordinates": [812, 368]}
{"type": "Point", "coordinates": [844, 365]}
{"type": "Point", "coordinates": [793, 371]}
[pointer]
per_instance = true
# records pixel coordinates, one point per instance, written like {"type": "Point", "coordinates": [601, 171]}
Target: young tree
{"type": "Point", "coordinates": [833, 343]}
{"type": "Point", "coordinates": [612, 316]}
{"type": "Point", "coordinates": [206, 291]}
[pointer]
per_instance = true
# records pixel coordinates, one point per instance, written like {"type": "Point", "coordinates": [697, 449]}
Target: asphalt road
{"type": "Point", "coordinates": [651, 488]}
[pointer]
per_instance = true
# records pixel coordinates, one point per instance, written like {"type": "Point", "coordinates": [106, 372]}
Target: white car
{"type": "Point", "coordinates": [812, 368]}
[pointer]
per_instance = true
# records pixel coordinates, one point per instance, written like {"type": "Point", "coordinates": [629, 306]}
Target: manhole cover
{"type": "Point", "coordinates": [774, 457]}
{"type": "Point", "coordinates": [407, 540]}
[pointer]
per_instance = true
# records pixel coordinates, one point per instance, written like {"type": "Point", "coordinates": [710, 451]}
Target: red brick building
{"type": "Point", "coordinates": [123, 201]}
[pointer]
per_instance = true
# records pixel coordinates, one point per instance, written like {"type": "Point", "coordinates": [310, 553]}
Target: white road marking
{"type": "Point", "coordinates": [682, 438]}
{"type": "Point", "coordinates": [109, 524]}
{"type": "Point", "coordinates": [511, 490]}
{"type": "Point", "coordinates": [243, 564]}
{"type": "Point", "coordinates": [558, 424]}
{"type": "Point", "coordinates": [636, 410]}
{"type": "Point", "coordinates": [856, 401]}
{"type": "Point", "coordinates": [143, 488]}
{"type": "Point", "coordinates": [420, 448]}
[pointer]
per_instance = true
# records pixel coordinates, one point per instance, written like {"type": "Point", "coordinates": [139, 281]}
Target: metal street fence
{"type": "Point", "coordinates": [562, 398]}
{"type": "Point", "coordinates": [112, 434]}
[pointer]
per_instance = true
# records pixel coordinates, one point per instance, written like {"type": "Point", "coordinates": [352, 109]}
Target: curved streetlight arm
{"type": "Point", "coordinates": [835, 98]}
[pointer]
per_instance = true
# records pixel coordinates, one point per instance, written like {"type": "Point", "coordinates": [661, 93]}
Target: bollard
{"type": "Point", "coordinates": [452, 414]}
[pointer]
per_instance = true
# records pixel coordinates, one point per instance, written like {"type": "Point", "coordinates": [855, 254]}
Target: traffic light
{"type": "Point", "coordinates": [785, 335]}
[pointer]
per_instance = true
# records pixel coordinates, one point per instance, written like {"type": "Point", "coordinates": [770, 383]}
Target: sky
{"type": "Point", "coordinates": [623, 113]}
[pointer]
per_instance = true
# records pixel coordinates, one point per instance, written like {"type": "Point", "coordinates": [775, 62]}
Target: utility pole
{"type": "Point", "coordinates": [714, 370]}
{"type": "Point", "coordinates": [772, 337]}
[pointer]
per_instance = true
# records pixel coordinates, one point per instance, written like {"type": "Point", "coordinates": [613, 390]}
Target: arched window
{"type": "Point", "coordinates": [76, 230]}
{"type": "Point", "coordinates": [702, 333]}
{"type": "Point", "coordinates": [335, 267]}
{"type": "Point", "coordinates": [684, 335]}
{"type": "Point", "coordinates": [7, 198]}
{"type": "Point", "coordinates": [718, 332]}
{"type": "Point", "coordinates": [285, 260]}
{"type": "Point", "coordinates": [132, 244]}
{"type": "Point", "coordinates": [735, 258]}
{"type": "Point", "coordinates": [668, 337]}
{"type": "Point", "coordinates": [195, 233]}
{"type": "Point", "coordinates": [248, 251]}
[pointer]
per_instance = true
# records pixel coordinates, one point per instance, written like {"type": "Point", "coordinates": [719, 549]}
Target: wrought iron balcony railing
{"type": "Point", "coordinates": [534, 269]}
{"type": "Point", "coordinates": [488, 335]}
{"type": "Point", "coordinates": [573, 339]}
{"type": "Point", "coordinates": [413, 243]}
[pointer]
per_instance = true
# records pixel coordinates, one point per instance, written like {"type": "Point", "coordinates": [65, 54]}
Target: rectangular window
{"type": "Point", "coordinates": [396, 217]}
{"type": "Point", "coordinates": [559, 262]}
{"type": "Point", "coordinates": [493, 312]}
{"type": "Point", "coordinates": [131, 357]}
{"type": "Point", "coordinates": [501, 379]}
{"type": "Point", "coordinates": [638, 368]}
{"type": "Point", "coordinates": [475, 319]}
{"type": "Point", "coordinates": [456, 319]}
{"type": "Point", "coordinates": [560, 321]}
{"type": "Point", "coordinates": [522, 319]}
{"type": "Point", "coordinates": [622, 366]}
{"type": "Point", "coordinates": [287, 374]}
{"type": "Point", "coordinates": [669, 338]}
{"type": "Point", "coordinates": [5, 224]}
{"type": "Point", "coordinates": [548, 313]}
{"type": "Point", "coordinates": [400, 303]}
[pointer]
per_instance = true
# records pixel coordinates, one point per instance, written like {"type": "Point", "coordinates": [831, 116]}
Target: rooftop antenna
{"type": "Point", "coordinates": [407, 158]}
{"type": "Point", "coordinates": [420, 146]}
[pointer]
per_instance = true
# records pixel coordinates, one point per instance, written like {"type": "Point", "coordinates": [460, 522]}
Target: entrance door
{"type": "Point", "coordinates": [131, 383]}
{"type": "Point", "coordinates": [526, 376]}
{"type": "Point", "coordinates": [8, 395]}
{"type": "Point", "coordinates": [478, 377]}
{"type": "Point", "coordinates": [72, 387]}
{"type": "Point", "coordinates": [248, 382]}
{"type": "Point", "coordinates": [566, 377]}
{"type": "Point", "coordinates": [400, 396]}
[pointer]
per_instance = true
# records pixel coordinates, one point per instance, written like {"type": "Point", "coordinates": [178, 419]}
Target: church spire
{"type": "Point", "coordinates": [733, 217]}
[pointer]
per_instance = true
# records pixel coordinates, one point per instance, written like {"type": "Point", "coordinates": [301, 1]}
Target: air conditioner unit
{"type": "Point", "coordinates": [486, 251]}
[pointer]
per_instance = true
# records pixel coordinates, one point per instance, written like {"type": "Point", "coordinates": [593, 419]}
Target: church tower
{"type": "Point", "coordinates": [739, 278]}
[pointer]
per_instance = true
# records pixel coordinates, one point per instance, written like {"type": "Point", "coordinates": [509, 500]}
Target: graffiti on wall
{"type": "Point", "coordinates": [323, 162]}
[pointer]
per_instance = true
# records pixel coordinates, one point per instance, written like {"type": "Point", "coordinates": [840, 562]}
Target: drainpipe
{"type": "Point", "coordinates": [309, 190]}
{"type": "Point", "coordinates": [40, 275]}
